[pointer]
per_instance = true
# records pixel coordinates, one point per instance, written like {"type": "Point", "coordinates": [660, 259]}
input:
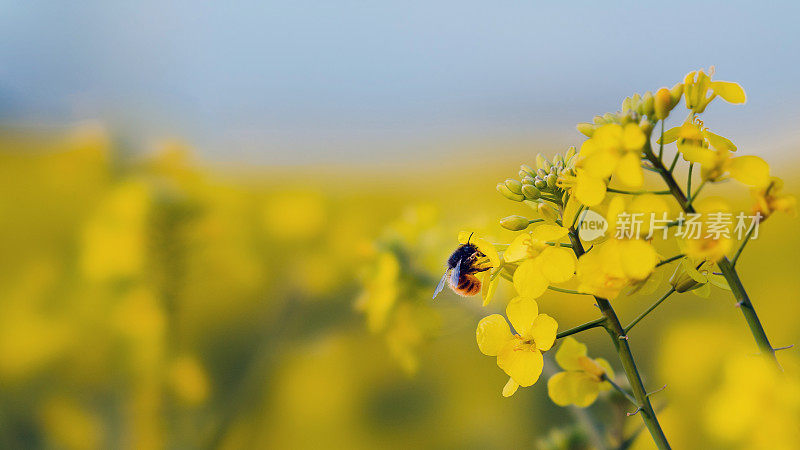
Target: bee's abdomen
{"type": "Point", "coordinates": [468, 285]}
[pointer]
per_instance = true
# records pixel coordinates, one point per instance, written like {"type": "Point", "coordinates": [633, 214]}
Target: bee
{"type": "Point", "coordinates": [461, 269]}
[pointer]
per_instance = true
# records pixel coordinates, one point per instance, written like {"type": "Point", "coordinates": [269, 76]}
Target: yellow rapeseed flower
{"type": "Point", "coordinates": [542, 264]}
{"type": "Point", "coordinates": [520, 354]}
{"type": "Point", "coordinates": [703, 244]}
{"type": "Point", "coordinates": [714, 154]}
{"type": "Point", "coordinates": [609, 267]}
{"type": "Point", "coordinates": [698, 84]}
{"type": "Point", "coordinates": [613, 149]}
{"type": "Point", "coordinates": [582, 379]}
{"type": "Point", "coordinates": [769, 199]}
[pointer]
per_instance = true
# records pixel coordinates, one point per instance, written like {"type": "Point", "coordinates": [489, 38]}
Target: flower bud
{"type": "Point", "coordinates": [527, 169]}
{"type": "Point", "coordinates": [540, 183]}
{"type": "Point", "coordinates": [558, 159]}
{"type": "Point", "coordinates": [541, 162]}
{"type": "Point", "coordinates": [648, 104]}
{"type": "Point", "coordinates": [551, 180]}
{"type": "Point", "coordinates": [585, 128]}
{"type": "Point", "coordinates": [675, 93]}
{"type": "Point", "coordinates": [686, 277]}
{"type": "Point", "coordinates": [626, 104]}
{"type": "Point", "coordinates": [514, 186]}
{"type": "Point", "coordinates": [547, 212]}
{"type": "Point", "coordinates": [530, 192]}
{"type": "Point", "coordinates": [515, 223]}
{"type": "Point", "coordinates": [646, 126]}
{"type": "Point", "coordinates": [527, 180]}
{"type": "Point", "coordinates": [503, 189]}
{"type": "Point", "coordinates": [570, 153]}
{"type": "Point", "coordinates": [598, 120]}
{"type": "Point", "coordinates": [663, 103]}
{"type": "Point", "coordinates": [542, 173]}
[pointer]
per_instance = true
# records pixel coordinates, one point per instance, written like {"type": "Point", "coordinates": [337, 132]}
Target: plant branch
{"type": "Point", "coordinates": [649, 310]}
{"type": "Point", "coordinates": [615, 331]}
{"type": "Point", "coordinates": [586, 326]}
{"type": "Point", "coordinates": [620, 191]}
{"type": "Point", "coordinates": [727, 269]}
{"type": "Point", "coordinates": [741, 246]}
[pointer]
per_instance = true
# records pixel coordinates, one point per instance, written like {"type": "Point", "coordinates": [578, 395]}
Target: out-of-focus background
{"type": "Point", "coordinates": [221, 223]}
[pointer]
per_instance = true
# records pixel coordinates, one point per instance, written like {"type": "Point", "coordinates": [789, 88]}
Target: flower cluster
{"type": "Point", "coordinates": [608, 178]}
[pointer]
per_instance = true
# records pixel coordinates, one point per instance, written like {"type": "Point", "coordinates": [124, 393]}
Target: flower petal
{"type": "Point", "coordinates": [590, 190]}
{"type": "Point", "coordinates": [638, 258]}
{"type": "Point", "coordinates": [729, 91]}
{"type": "Point", "coordinates": [575, 388]}
{"type": "Point", "coordinates": [629, 171]}
{"type": "Point", "coordinates": [549, 233]}
{"type": "Point", "coordinates": [633, 138]}
{"type": "Point", "coordinates": [750, 170]}
{"type": "Point", "coordinates": [510, 387]}
{"type": "Point", "coordinates": [519, 248]}
{"type": "Point", "coordinates": [492, 334]}
{"type": "Point", "coordinates": [529, 280]}
{"type": "Point", "coordinates": [558, 264]}
{"type": "Point", "coordinates": [489, 286]}
{"type": "Point", "coordinates": [544, 331]}
{"type": "Point", "coordinates": [523, 365]}
{"type": "Point", "coordinates": [569, 353]}
{"type": "Point", "coordinates": [521, 313]}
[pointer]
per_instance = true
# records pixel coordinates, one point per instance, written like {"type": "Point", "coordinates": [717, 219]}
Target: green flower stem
{"type": "Point", "coordinates": [619, 191]}
{"type": "Point", "coordinates": [650, 309]}
{"type": "Point", "coordinates": [566, 291]}
{"type": "Point", "coordinates": [669, 260]}
{"type": "Point", "coordinates": [741, 247]}
{"type": "Point", "coordinates": [620, 341]}
{"type": "Point", "coordinates": [725, 266]}
{"type": "Point", "coordinates": [586, 326]}
{"type": "Point", "coordinates": [559, 244]}
{"type": "Point", "coordinates": [620, 390]}
{"type": "Point", "coordinates": [674, 162]}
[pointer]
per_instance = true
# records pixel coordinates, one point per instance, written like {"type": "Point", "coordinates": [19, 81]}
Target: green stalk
{"type": "Point", "coordinates": [620, 341]}
{"type": "Point", "coordinates": [731, 276]}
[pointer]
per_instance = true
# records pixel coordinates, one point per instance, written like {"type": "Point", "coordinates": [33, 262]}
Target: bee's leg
{"type": "Point", "coordinates": [480, 270]}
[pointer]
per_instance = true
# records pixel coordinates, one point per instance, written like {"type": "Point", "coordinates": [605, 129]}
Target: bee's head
{"type": "Point", "coordinates": [462, 253]}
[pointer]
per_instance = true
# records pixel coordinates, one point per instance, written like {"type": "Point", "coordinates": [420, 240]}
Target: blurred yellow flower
{"type": "Point", "coordinates": [380, 291]}
{"type": "Point", "coordinates": [542, 264]}
{"type": "Point", "coordinates": [609, 267]}
{"type": "Point", "coordinates": [582, 381]}
{"type": "Point", "coordinates": [295, 215]}
{"type": "Point", "coordinates": [519, 354]}
{"type": "Point", "coordinates": [114, 239]}
{"type": "Point", "coordinates": [69, 425]}
{"type": "Point", "coordinates": [769, 199]}
{"type": "Point", "coordinates": [700, 244]}
{"type": "Point", "coordinates": [755, 406]}
{"type": "Point", "coordinates": [189, 380]}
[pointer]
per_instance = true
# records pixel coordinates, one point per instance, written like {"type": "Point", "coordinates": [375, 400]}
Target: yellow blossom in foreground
{"type": "Point", "coordinates": [615, 150]}
{"type": "Point", "coordinates": [542, 264]}
{"type": "Point", "coordinates": [770, 199]}
{"type": "Point", "coordinates": [703, 244]}
{"type": "Point", "coordinates": [520, 354]}
{"type": "Point", "coordinates": [582, 380]}
{"type": "Point", "coordinates": [609, 267]}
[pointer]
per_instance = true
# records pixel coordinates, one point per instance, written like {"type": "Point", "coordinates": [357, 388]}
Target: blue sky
{"type": "Point", "coordinates": [305, 82]}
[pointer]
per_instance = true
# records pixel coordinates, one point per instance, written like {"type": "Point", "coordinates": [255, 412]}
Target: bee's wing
{"type": "Point", "coordinates": [441, 283]}
{"type": "Point", "coordinates": [455, 274]}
